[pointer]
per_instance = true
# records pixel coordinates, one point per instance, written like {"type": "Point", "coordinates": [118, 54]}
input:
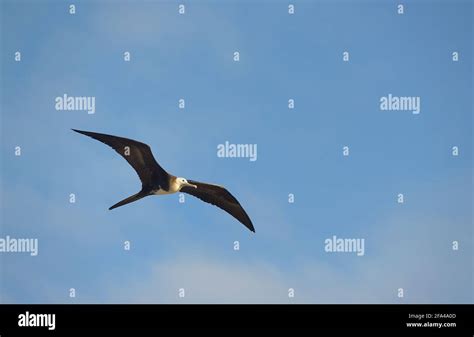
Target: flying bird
{"type": "Point", "coordinates": [156, 181]}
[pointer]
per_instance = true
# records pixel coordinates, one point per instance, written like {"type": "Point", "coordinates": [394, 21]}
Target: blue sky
{"type": "Point", "coordinates": [282, 56]}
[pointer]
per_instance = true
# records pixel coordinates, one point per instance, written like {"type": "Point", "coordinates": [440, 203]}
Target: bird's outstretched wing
{"type": "Point", "coordinates": [138, 155]}
{"type": "Point", "coordinates": [220, 197]}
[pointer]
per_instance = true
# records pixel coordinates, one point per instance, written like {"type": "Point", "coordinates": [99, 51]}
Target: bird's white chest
{"type": "Point", "coordinates": [173, 188]}
{"type": "Point", "coordinates": [161, 192]}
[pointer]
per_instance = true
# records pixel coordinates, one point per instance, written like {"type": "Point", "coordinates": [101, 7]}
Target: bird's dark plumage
{"type": "Point", "coordinates": [135, 197]}
{"type": "Point", "coordinates": [220, 197]}
{"type": "Point", "coordinates": [139, 156]}
{"type": "Point", "coordinates": [154, 177]}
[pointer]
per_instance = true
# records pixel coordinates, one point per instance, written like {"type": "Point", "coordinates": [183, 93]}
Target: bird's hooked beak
{"type": "Point", "coordinates": [191, 185]}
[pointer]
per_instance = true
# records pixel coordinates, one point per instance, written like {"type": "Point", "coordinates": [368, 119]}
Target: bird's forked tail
{"type": "Point", "coordinates": [130, 199]}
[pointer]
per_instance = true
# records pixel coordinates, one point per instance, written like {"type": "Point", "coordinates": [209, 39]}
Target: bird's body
{"type": "Point", "coordinates": [174, 187]}
{"type": "Point", "coordinates": [156, 181]}
{"type": "Point", "coordinates": [163, 192]}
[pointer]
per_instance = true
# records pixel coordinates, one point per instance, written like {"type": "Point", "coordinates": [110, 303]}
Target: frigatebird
{"type": "Point", "coordinates": [156, 181]}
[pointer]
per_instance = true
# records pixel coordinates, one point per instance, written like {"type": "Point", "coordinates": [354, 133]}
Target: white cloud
{"type": "Point", "coordinates": [205, 280]}
{"type": "Point", "coordinates": [399, 255]}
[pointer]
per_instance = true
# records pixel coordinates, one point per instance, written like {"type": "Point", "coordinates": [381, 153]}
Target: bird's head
{"type": "Point", "coordinates": [183, 182]}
